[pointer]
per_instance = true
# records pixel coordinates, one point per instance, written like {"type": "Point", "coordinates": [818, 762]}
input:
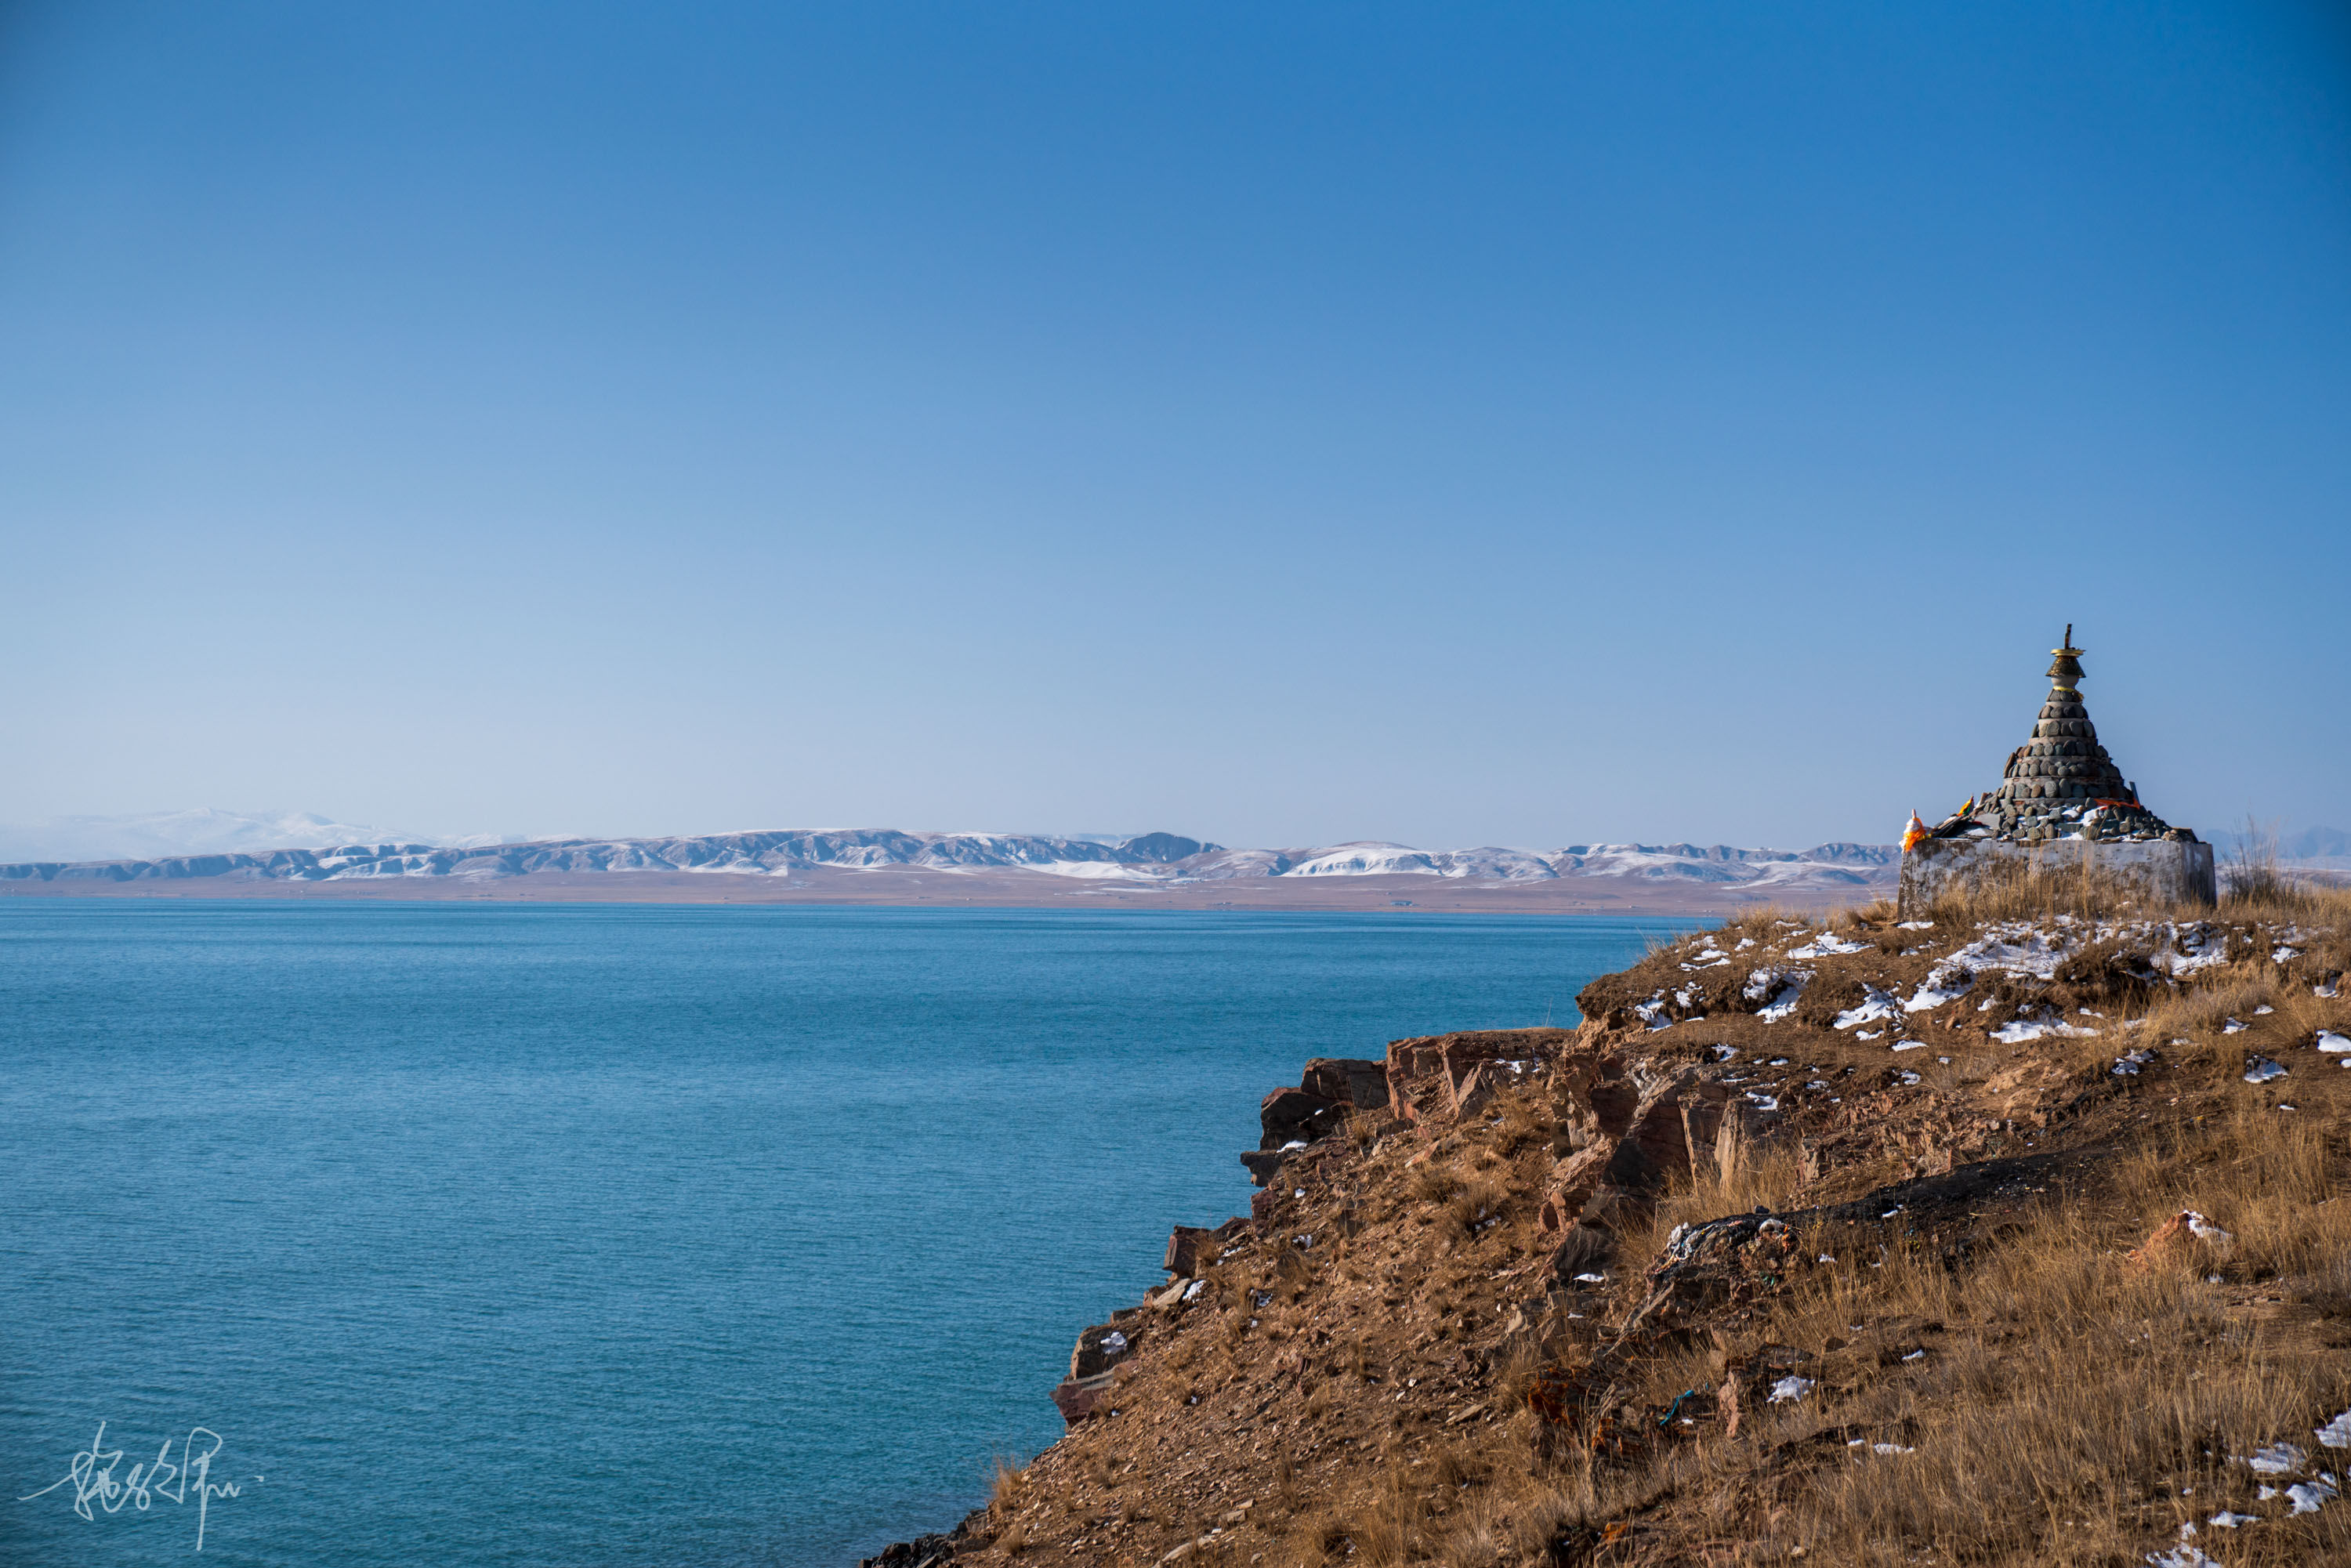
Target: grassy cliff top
{"type": "Point", "coordinates": [2018, 1236]}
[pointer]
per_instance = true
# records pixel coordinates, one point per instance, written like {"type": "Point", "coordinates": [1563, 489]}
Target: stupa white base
{"type": "Point", "coordinates": [2165, 871]}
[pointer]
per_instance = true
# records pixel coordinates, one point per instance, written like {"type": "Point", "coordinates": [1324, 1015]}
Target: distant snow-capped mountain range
{"type": "Point", "coordinates": [322, 851]}
{"type": "Point", "coordinates": [155, 834]}
{"type": "Point", "coordinates": [301, 846]}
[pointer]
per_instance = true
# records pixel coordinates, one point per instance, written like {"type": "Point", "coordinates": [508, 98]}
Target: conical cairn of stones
{"type": "Point", "coordinates": [2061, 784]}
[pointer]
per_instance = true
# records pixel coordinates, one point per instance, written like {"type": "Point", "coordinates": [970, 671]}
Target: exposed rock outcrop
{"type": "Point", "coordinates": [1296, 1117]}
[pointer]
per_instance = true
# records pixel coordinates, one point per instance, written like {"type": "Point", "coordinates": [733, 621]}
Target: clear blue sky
{"type": "Point", "coordinates": [1454, 423]}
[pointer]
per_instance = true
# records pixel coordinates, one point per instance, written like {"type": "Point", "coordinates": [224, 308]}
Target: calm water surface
{"type": "Point", "coordinates": [594, 1234]}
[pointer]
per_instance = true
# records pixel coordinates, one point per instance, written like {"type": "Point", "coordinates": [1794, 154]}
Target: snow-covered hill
{"type": "Point", "coordinates": [1149, 857]}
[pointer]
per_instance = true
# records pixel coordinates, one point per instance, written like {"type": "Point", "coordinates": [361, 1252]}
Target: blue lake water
{"type": "Point", "coordinates": [604, 1235]}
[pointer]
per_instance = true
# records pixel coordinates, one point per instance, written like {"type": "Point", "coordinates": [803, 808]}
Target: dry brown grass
{"type": "Point", "coordinates": [2076, 1408]}
{"type": "Point", "coordinates": [2080, 1407]}
{"type": "Point", "coordinates": [1434, 1181]}
{"type": "Point", "coordinates": [2093, 1395]}
{"type": "Point", "coordinates": [2189, 1028]}
{"type": "Point", "coordinates": [2254, 887]}
{"type": "Point", "coordinates": [2272, 1179]}
{"type": "Point", "coordinates": [1005, 1484]}
{"type": "Point", "coordinates": [1526, 1120]}
{"type": "Point", "coordinates": [2072, 1406]}
{"type": "Point", "coordinates": [2251, 873]}
{"type": "Point", "coordinates": [2290, 901]}
{"type": "Point", "coordinates": [1475, 1207]}
{"type": "Point", "coordinates": [2077, 1405]}
{"type": "Point", "coordinates": [1418, 1502]}
{"type": "Point", "coordinates": [1763, 921]}
{"type": "Point", "coordinates": [2033, 887]}
{"type": "Point", "coordinates": [2241, 992]}
{"type": "Point", "coordinates": [1864, 918]}
{"type": "Point", "coordinates": [1767, 1177]}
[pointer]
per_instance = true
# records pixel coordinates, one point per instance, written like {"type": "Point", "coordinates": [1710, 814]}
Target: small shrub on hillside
{"type": "Point", "coordinates": [1434, 1182]}
{"type": "Point", "coordinates": [1476, 1208]}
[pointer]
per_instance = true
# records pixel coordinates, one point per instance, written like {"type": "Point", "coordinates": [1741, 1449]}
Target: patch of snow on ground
{"type": "Point", "coordinates": [2233, 1025]}
{"type": "Point", "coordinates": [2204, 1230]}
{"type": "Point", "coordinates": [2336, 1434]}
{"type": "Point", "coordinates": [2334, 1044]}
{"type": "Point", "coordinates": [2127, 1064]}
{"type": "Point", "coordinates": [2261, 1070]}
{"type": "Point", "coordinates": [2307, 1495]}
{"type": "Point", "coordinates": [1782, 986]}
{"type": "Point", "coordinates": [1790, 1387]}
{"type": "Point", "coordinates": [2016, 946]}
{"type": "Point", "coordinates": [1828, 944]}
{"type": "Point", "coordinates": [2194, 946]}
{"type": "Point", "coordinates": [1910, 1045]}
{"type": "Point", "coordinates": [1944, 983]}
{"type": "Point", "coordinates": [2276, 1460]}
{"type": "Point", "coordinates": [1878, 1005]}
{"type": "Point", "coordinates": [2022, 1029]}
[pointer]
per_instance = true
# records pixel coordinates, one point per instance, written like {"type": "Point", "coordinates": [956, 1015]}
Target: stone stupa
{"type": "Point", "coordinates": [2061, 801]}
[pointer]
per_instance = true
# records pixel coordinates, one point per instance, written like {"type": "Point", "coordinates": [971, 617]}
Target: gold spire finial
{"type": "Point", "coordinates": [2068, 666]}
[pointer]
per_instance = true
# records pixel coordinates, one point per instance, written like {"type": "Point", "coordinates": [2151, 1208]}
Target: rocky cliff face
{"type": "Point", "coordinates": [2014, 1242]}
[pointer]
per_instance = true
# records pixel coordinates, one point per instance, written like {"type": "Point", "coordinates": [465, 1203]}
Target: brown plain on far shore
{"type": "Point", "coordinates": [914, 887]}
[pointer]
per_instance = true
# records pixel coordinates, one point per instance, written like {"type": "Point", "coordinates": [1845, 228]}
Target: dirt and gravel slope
{"type": "Point", "coordinates": [2013, 1239]}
